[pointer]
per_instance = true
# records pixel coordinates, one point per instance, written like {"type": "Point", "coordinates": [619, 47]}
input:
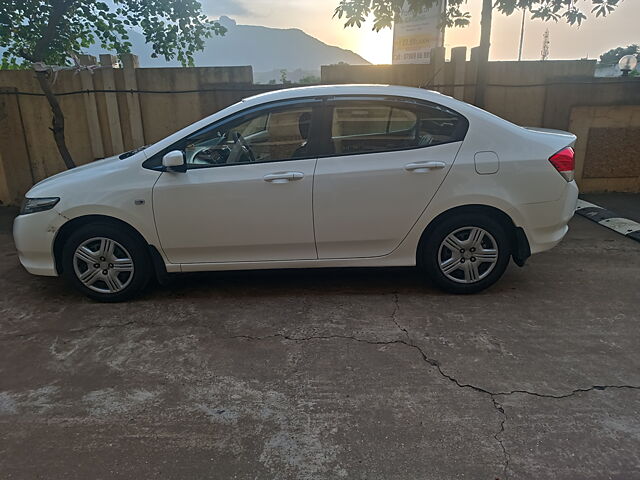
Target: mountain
{"type": "Point", "coordinates": [266, 49]}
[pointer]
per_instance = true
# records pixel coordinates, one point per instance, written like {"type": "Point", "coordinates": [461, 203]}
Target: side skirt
{"type": "Point", "coordinates": [388, 261]}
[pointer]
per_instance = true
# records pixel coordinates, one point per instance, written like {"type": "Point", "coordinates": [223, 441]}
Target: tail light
{"type": "Point", "coordinates": [564, 161]}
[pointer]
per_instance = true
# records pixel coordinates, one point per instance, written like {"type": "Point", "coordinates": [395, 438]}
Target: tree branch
{"type": "Point", "coordinates": [57, 123]}
{"type": "Point", "coordinates": [57, 12]}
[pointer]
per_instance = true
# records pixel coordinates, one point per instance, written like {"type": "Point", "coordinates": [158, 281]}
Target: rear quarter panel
{"type": "Point", "coordinates": [525, 175]}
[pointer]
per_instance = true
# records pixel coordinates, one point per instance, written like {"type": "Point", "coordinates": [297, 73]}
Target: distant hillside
{"type": "Point", "coordinates": [266, 49]}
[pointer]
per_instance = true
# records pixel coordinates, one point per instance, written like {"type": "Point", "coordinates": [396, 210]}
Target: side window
{"type": "Point", "coordinates": [361, 127]}
{"type": "Point", "coordinates": [370, 127]}
{"type": "Point", "coordinates": [439, 125]}
{"type": "Point", "coordinates": [267, 136]}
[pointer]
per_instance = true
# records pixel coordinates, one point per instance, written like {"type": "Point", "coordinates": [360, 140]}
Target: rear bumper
{"type": "Point", "coordinates": [545, 224]}
{"type": "Point", "coordinates": [33, 235]}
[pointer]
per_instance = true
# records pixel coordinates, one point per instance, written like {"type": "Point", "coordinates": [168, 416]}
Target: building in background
{"type": "Point", "coordinates": [416, 35]}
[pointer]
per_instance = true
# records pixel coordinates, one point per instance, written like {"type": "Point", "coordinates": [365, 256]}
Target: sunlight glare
{"type": "Point", "coordinates": [375, 47]}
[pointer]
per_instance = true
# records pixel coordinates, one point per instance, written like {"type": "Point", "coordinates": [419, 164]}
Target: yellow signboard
{"type": "Point", "coordinates": [416, 35]}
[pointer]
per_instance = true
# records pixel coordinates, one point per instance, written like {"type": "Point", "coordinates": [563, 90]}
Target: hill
{"type": "Point", "coordinates": [266, 49]}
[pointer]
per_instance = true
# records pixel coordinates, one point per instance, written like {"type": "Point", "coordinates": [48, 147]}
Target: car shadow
{"type": "Point", "coordinates": [325, 281]}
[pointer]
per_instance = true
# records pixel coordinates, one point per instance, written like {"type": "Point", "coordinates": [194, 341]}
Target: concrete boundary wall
{"type": "Point", "coordinates": [516, 90]}
{"type": "Point", "coordinates": [119, 106]}
{"type": "Point", "coordinates": [607, 148]}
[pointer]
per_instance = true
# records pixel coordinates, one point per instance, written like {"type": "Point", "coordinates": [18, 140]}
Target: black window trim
{"type": "Point", "coordinates": [392, 100]}
{"type": "Point", "coordinates": [314, 134]}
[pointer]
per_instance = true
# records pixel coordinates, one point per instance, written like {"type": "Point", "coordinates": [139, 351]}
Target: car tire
{"type": "Point", "coordinates": [482, 253]}
{"type": "Point", "coordinates": [106, 262]}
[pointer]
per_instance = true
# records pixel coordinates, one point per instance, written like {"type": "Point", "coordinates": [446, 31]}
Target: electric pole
{"type": "Point", "coordinates": [524, 14]}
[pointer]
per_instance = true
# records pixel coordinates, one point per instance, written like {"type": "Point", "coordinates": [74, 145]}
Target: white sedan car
{"type": "Point", "coordinates": [326, 176]}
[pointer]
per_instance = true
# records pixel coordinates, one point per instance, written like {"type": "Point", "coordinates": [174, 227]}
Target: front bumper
{"type": "Point", "coordinates": [546, 223]}
{"type": "Point", "coordinates": [33, 235]}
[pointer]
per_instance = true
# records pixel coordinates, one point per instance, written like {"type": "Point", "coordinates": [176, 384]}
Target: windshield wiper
{"type": "Point", "coordinates": [131, 152]}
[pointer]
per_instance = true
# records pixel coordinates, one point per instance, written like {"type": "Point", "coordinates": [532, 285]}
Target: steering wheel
{"type": "Point", "coordinates": [245, 146]}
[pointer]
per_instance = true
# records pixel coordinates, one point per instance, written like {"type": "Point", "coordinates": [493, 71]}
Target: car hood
{"type": "Point", "coordinates": [83, 169]}
{"type": "Point", "coordinates": [55, 185]}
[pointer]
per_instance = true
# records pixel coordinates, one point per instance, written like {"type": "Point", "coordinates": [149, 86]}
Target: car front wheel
{"type": "Point", "coordinates": [106, 263]}
{"type": "Point", "coordinates": [466, 253]}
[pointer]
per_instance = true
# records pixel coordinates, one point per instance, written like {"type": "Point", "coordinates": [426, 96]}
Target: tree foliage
{"type": "Point", "coordinates": [50, 30]}
{"type": "Point", "coordinates": [310, 79]}
{"type": "Point", "coordinates": [614, 55]}
{"type": "Point", "coordinates": [53, 31]}
{"type": "Point", "coordinates": [385, 12]}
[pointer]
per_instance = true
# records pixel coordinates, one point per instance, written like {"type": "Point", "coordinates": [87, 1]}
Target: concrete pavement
{"type": "Point", "coordinates": [329, 373]}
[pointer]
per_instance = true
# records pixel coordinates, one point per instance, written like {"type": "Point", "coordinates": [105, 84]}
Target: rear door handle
{"type": "Point", "coordinates": [423, 167]}
{"type": "Point", "coordinates": [283, 177]}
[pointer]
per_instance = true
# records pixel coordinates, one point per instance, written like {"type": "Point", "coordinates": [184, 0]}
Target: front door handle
{"type": "Point", "coordinates": [423, 167]}
{"type": "Point", "coordinates": [283, 177]}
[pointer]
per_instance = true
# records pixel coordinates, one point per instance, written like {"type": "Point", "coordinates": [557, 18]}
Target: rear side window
{"type": "Point", "coordinates": [377, 126]}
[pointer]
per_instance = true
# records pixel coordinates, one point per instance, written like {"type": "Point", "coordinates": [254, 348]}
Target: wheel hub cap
{"type": "Point", "coordinates": [468, 254]}
{"type": "Point", "coordinates": [103, 265]}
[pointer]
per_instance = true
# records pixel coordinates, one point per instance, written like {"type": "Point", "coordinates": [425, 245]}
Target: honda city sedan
{"type": "Point", "coordinates": [324, 176]}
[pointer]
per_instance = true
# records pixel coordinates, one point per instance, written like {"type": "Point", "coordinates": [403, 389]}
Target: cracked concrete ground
{"type": "Point", "coordinates": [329, 374]}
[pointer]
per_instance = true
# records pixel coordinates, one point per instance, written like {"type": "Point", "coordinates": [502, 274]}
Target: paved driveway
{"type": "Point", "coordinates": [329, 374]}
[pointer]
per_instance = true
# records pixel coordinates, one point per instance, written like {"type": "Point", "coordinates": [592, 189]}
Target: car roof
{"type": "Point", "coordinates": [347, 89]}
{"type": "Point", "coordinates": [369, 89]}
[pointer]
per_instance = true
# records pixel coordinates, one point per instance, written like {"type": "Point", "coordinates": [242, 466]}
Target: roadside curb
{"type": "Point", "coordinates": [609, 219]}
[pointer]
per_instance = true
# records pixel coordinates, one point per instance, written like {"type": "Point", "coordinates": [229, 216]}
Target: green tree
{"type": "Point", "coordinates": [51, 31]}
{"type": "Point", "coordinates": [613, 56]}
{"type": "Point", "coordinates": [283, 77]}
{"type": "Point", "coordinates": [310, 79]}
{"type": "Point", "coordinates": [385, 12]}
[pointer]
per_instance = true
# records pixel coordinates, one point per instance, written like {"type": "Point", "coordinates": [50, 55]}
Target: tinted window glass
{"type": "Point", "coordinates": [265, 137]}
{"type": "Point", "coordinates": [370, 126]}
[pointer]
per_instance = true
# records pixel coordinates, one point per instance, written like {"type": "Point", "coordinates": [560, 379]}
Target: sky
{"type": "Point", "coordinates": [593, 38]}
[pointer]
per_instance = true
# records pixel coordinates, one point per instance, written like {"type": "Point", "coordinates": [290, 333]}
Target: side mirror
{"type": "Point", "coordinates": [174, 161]}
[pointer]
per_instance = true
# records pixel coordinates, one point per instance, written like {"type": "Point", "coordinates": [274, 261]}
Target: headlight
{"type": "Point", "coordinates": [33, 205]}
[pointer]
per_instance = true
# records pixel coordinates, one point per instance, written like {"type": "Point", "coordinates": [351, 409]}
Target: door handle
{"type": "Point", "coordinates": [423, 167]}
{"type": "Point", "coordinates": [283, 177]}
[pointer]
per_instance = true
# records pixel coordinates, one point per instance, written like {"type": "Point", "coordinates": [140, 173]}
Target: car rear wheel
{"type": "Point", "coordinates": [466, 253]}
{"type": "Point", "coordinates": [106, 263]}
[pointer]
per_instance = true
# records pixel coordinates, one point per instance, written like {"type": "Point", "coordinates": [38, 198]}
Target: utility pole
{"type": "Point", "coordinates": [524, 15]}
{"type": "Point", "coordinates": [485, 44]}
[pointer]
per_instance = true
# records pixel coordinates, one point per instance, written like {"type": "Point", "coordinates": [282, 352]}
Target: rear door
{"type": "Point", "coordinates": [384, 160]}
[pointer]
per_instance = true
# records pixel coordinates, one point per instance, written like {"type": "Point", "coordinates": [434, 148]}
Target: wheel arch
{"type": "Point", "coordinates": [520, 249]}
{"type": "Point", "coordinates": [72, 225]}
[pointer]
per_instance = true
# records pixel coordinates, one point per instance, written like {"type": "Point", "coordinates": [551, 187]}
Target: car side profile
{"type": "Point", "coordinates": [324, 176]}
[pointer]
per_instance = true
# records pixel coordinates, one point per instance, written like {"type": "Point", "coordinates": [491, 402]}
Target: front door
{"type": "Point", "coordinates": [247, 193]}
{"type": "Point", "coordinates": [386, 160]}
